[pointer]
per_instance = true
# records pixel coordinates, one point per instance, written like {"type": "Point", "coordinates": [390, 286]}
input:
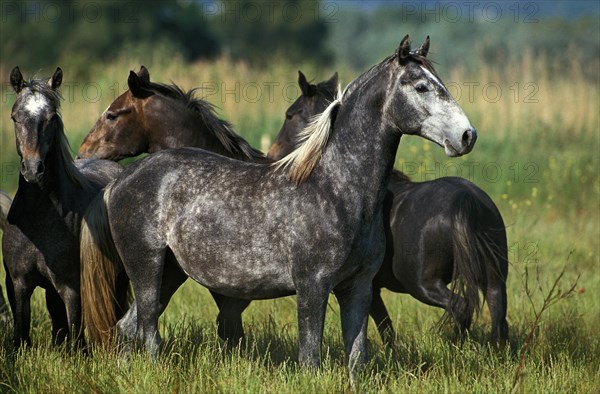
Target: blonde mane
{"type": "Point", "coordinates": [313, 139]}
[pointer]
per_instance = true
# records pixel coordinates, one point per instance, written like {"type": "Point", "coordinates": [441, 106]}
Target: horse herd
{"type": "Point", "coordinates": [322, 212]}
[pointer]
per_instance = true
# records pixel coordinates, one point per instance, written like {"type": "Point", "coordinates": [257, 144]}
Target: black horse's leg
{"type": "Point", "coordinates": [435, 293]}
{"type": "Point", "coordinates": [58, 315]}
{"type": "Point", "coordinates": [312, 303]}
{"type": "Point", "coordinates": [381, 317]}
{"type": "Point", "coordinates": [72, 300]}
{"type": "Point", "coordinates": [229, 320]}
{"type": "Point", "coordinates": [19, 296]}
{"type": "Point", "coordinates": [496, 300]}
{"type": "Point", "coordinates": [355, 303]}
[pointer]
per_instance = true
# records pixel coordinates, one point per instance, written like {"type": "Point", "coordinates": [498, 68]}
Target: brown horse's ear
{"type": "Point", "coordinates": [144, 74]}
{"type": "Point", "coordinates": [56, 79]}
{"type": "Point", "coordinates": [404, 49]}
{"type": "Point", "coordinates": [137, 86]}
{"type": "Point", "coordinates": [307, 89]}
{"type": "Point", "coordinates": [16, 79]}
{"type": "Point", "coordinates": [423, 49]}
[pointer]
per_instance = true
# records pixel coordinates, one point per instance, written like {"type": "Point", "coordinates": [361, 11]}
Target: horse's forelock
{"type": "Point", "coordinates": [41, 87]}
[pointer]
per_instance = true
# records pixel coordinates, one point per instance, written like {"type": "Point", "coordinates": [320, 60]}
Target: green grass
{"type": "Point", "coordinates": [538, 161]}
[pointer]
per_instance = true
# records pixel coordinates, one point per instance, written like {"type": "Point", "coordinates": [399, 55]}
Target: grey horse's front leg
{"type": "Point", "coordinates": [312, 304]}
{"type": "Point", "coordinates": [355, 303]}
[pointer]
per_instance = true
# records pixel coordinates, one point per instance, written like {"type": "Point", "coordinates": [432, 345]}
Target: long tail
{"type": "Point", "coordinates": [103, 282]}
{"type": "Point", "coordinates": [476, 251]}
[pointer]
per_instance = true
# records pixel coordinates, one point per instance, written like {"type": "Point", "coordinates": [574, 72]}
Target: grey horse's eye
{"type": "Point", "coordinates": [422, 88]}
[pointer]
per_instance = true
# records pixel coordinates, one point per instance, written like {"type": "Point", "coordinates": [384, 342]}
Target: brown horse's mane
{"type": "Point", "coordinates": [220, 128]}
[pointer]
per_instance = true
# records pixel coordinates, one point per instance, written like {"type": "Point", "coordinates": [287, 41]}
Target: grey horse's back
{"type": "Point", "coordinates": [99, 171]}
{"type": "Point", "coordinates": [5, 202]}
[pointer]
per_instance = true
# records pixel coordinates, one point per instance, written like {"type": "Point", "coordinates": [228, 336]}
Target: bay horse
{"type": "Point", "coordinates": [438, 232]}
{"type": "Point", "coordinates": [40, 245]}
{"type": "Point", "coordinates": [309, 224]}
{"type": "Point", "coordinates": [147, 118]}
{"type": "Point", "coordinates": [151, 116]}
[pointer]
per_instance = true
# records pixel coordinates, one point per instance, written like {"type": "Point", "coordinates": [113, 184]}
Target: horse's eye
{"type": "Point", "coordinates": [422, 88]}
{"type": "Point", "coordinates": [289, 116]}
{"type": "Point", "coordinates": [111, 116]}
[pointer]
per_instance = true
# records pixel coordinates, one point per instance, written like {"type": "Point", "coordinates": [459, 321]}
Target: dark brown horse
{"type": "Point", "coordinates": [40, 246]}
{"type": "Point", "coordinates": [438, 232]}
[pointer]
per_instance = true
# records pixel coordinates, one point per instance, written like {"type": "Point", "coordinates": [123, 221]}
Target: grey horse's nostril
{"type": "Point", "coordinates": [469, 137]}
{"type": "Point", "coordinates": [40, 168]}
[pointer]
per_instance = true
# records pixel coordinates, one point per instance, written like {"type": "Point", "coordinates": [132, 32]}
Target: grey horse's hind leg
{"type": "Point", "coordinates": [172, 279]}
{"type": "Point", "coordinates": [146, 280]}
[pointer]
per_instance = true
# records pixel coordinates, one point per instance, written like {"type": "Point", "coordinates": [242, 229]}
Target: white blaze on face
{"type": "Point", "coordinates": [36, 104]}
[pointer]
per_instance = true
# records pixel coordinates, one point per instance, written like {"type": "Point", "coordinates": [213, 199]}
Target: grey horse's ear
{"type": "Point", "coordinates": [404, 49]}
{"type": "Point", "coordinates": [144, 74]}
{"type": "Point", "coordinates": [16, 79]}
{"type": "Point", "coordinates": [423, 49]}
{"type": "Point", "coordinates": [56, 79]}
{"type": "Point", "coordinates": [137, 86]}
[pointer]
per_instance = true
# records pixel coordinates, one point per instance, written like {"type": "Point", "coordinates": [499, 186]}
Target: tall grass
{"type": "Point", "coordinates": [537, 156]}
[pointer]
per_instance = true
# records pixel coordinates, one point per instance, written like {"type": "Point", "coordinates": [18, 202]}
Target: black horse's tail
{"type": "Point", "coordinates": [476, 252]}
{"type": "Point", "coordinates": [104, 284]}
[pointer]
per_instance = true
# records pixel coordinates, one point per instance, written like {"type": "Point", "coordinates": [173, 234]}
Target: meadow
{"type": "Point", "coordinates": [537, 157]}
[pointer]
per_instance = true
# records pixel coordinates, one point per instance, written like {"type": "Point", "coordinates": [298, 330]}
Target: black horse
{"type": "Point", "coordinates": [310, 224]}
{"type": "Point", "coordinates": [438, 232]}
{"type": "Point", "coordinates": [41, 242]}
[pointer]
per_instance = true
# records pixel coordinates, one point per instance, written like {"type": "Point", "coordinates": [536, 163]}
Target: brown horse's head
{"type": "Point", "coordinates": [121, 131]}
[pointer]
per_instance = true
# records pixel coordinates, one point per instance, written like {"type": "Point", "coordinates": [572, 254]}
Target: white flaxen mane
{"type": "Point", "coordinates": [313, 139]}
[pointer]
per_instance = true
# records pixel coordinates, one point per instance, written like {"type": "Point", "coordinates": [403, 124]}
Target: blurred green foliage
{"type": "Point", "coordinates": [351, 34]}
